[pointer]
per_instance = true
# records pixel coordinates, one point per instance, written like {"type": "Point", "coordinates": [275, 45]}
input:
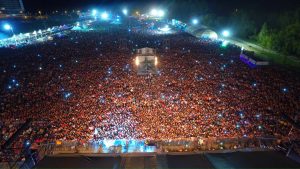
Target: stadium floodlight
{"type": "Point", "coordinates": [195, 21]}
{"type": "Point", "coordinates": [104, 16]}
{"type": "Point", "coordinates": [157, 13]}
{"type": "Point", "coordinates": [94, 12]}
{"type": "Point", "coordinates": [160, 13]}
{"type": "Point", "coordinates": [153, 12]}
{"type": "Point", "coordinates": [125, 11]}
{"type": "Point", "coordinates": [7, 26]}
{"type": "Point", "coordinates": [226, 33]}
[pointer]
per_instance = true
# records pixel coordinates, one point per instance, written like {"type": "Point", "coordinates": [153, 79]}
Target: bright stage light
{"type": "Point", "coordinates": [94, 12]}
{"type": "Point", "coordinates": [195, 21]}
{"type": "Point", "coordinates": [165, 29]}
{"type": "Point", "coordinates": [125, 11]}
{"type": "Point", "coordinates": [7, 27]}
{"type": "Point", "coordinates": [104, 16]}
{"type": "Point", "coordinates": [156, 61]}
{"type": "Point", "coordinates": [108, 143]}
{"type": "Point", "coordinates": [226, 33]}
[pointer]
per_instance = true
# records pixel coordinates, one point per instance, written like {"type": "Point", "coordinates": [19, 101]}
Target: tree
{"type": "Point", "coordinates": [265, 37]}
{"type": "Point", "coordinates": [289, 39]}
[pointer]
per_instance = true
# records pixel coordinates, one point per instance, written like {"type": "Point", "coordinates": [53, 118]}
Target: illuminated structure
{"type": "Point", "coordinates": [202, 32]}
{"type": "Point", "coordinates": [11, 6]}
{"type": "Point", "coordinates": [146, 61]}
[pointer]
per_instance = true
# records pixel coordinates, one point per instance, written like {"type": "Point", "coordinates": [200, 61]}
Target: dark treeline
{"type": "Point", "coordinates": [272, 24]}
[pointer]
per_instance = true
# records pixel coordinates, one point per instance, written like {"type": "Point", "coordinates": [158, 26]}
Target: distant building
{"type": "Point", "coordinates": [11, 7]}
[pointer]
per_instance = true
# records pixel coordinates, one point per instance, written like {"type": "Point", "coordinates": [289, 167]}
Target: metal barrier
{"type": "Point", "coordinates": [174, 145]}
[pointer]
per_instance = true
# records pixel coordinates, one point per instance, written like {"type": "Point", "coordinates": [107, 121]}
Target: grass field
{"type": "Point", "coordinates": [266, 54]}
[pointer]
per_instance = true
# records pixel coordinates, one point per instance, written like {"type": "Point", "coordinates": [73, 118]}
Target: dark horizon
{"type": "Point", "coordinates": [191, 6]}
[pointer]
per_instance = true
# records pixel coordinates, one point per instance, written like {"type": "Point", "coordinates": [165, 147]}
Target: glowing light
{"type": "Point", "coordinates": [213, 36]}
{"type": "Point", "coordinates": [156, 61]}
{"type": "Point", "coordinates": [108, 143]}
{"type": "Point", "coordinates": [137, 62]}
{"type": "Point", "coordinates": [125, 11]}
{"type": "Point", "coordinates": [104, 16]}
{"type": "Point", "coordinates": [77, 24]}
{"type": "Point", "coordinates": [224, 43]}
{"type": "Point", "coordinates": [153, 12]}
{"type": "Point", "coordinates": [157, 13]}
{"type": "Point", "coordinates": [165, 29]}
{"type": "Point", "coordinates": [195, 21]}
{"type": "Point", "coordinates": [285, 90]}
{"type": "Point", "coordinates": [67, 95]}
{"type": "Point", "coordinates": [160, 13]}
{"type": "Point", "coordinates": [94, 12]}
{"type": "Point", "coordinates": [226, 33]}
{"type": "Point", "coordinates": [27, 143]}
{"type": "Point", "coordinates": [7, 27]}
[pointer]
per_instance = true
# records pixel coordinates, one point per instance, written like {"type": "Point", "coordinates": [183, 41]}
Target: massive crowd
{"type": "Point", "coordinates": [85, 87]}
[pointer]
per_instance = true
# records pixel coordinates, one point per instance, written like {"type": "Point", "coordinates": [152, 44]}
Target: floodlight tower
{"type": "Point", "coordinates": [226, 33]}
{"type": "Point", "coordinates": [8, 27]}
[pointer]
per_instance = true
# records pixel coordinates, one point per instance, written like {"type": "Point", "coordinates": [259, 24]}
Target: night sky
{"type": "Point", "coordinates": [221, 7]}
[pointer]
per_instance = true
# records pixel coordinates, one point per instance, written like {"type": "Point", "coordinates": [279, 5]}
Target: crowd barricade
{"type": "Point", "coordinates": [172, 145]}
